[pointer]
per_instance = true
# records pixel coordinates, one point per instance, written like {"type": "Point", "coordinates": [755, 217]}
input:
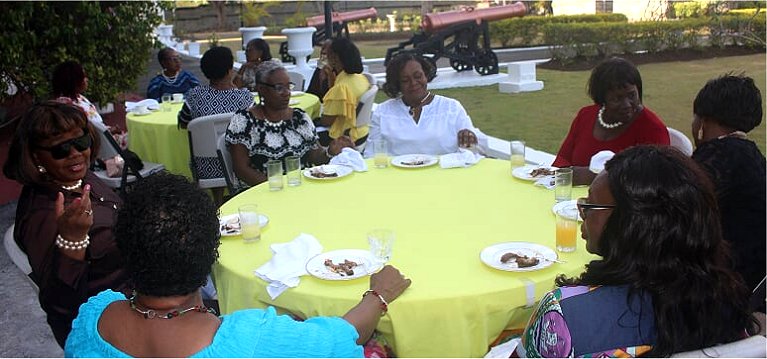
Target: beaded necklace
{"type": "Point", "coordinates": [605, 124]}
{"type": "Point", "coordinates": [152, 314]}
{"type": "Point", "coordinates": [419, 105]}
{"type": "Point", "coordinates": [74, 186]}
{"type": "Point", "coordinates": [170, 79]}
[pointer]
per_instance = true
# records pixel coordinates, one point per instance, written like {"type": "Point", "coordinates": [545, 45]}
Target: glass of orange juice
{"type": "Point", "coordinates": [567, 229]}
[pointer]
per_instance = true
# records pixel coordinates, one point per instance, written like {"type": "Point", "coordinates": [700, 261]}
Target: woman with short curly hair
{"type": "Point", "coordinates": [168, 231]}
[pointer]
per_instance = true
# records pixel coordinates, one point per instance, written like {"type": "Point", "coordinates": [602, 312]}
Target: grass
{"type": "Point", "coordinates": [543, 118]}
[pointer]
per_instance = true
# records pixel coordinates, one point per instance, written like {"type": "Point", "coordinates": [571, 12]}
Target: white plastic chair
{"type": "Point", "coordinates": [365, 106]}
{"type": "Point", "coordinates": [298, 79]}
{"type": "Point", "coordinates": [18, 257]}
{"type": "Point", "coordinates": [751, 347]}
{"type": "Point", "coordinates": [680, 141]}
{"type": "Point", "coordinates": [203, 134]}
{"type": "Point", "coordinates": [109, 148]}
{"type": "Point", "coordinates": [225, 157]}
{"type": "Point", "coordinates": [371, 78]}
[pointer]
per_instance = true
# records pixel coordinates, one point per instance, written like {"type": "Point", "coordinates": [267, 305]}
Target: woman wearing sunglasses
{"type": "Point", "coordinates": [664, 283]}
{"type": "Point", "coordinates": [65, 214]}
{"type": "Point", "coordinates": [272, 130]}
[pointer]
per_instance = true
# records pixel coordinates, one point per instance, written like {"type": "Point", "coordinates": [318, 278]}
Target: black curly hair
{"type": "Point", "coordinates": [613, 73]}
{"type": "Point", "coordinates": [261, 45]}
{"type": "Point", "coordinates": [731, 100]}
{"type": "Point", "coordinates": [216, 62]}
{"type": "Point", "coordinates": [167, 230]}
{"type": "Point", "coordinates": [392, 86]}
{"type": "Point", "coordinates": [348, 53]}
{"type": "Point", "coordinates": [664, 238]}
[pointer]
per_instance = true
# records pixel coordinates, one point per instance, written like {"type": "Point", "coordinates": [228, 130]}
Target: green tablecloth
{"type": "Point", "coordinates": [443, 218]}
{"type": "Point", "coordinates": [156, 137]}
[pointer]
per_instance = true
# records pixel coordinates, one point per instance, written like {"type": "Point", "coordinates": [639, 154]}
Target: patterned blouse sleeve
{"type": "Point", "coordinates": [238, 131]}
{"type": "Point", "coordinates": [547, 334]}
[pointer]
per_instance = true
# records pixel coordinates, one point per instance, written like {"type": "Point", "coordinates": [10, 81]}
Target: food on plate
{"type": "Point", "coordinates": [522, 260]}
{"type": "Point", "coordinates": [318, 173]}
{"type": "Point", "coordinates": [344, 268]}
{"type": "Point", "coordinates": [541, 172]}
{"type": "Point", "coordinates": [415, 162]}
{"type": "Point", "coordinates": [231, 226]}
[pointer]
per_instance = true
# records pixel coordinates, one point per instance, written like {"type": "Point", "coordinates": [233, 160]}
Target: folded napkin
{"type": "Point", "coordinates": [547, 182]}
{"type": "Point", "coordinates": [288, 263]}
{"type": "Point", "coordinates": [598, 160]}
{"type": "Point", "coordinates": [462, 158]}
{"type": "Point", "coordinates": [350, 158]}
{"type": "Point", "coordinates": [151, 104]}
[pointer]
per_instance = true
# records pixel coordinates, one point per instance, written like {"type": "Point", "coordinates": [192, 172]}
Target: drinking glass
{"type": "Point", "coordinates": [381, 153]}
{"type": "Point", "coordinates": [517, 158]}
{"type": "Point", "coordinates": [381, 242]}
{"type": "Point", "coordinates": [567, 228]}
{"type": "Point", "coordinates": [293, 169]}
{"type": "Point", "coordinates": [250, 225]}
{"type": "Point", "coordinates": [178, 97]}
{"type": "Point", "coordinates": [274, 173]}
{"type": "Point", "coordinates": [563, 184]}
{"type": "Point", "coordinates": [166, 97]}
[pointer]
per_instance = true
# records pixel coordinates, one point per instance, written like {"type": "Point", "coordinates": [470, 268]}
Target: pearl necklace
{"type": "Point", "coordinates": [152, 314]}
{"type": "Point", "coordinates": [171, 79]}
{"type": "Point", "coordinates": [74, 186]}
{"type": "Point", "coordinates": [605, 124]}
{"type": "Point", "coordinates": [420, 104]}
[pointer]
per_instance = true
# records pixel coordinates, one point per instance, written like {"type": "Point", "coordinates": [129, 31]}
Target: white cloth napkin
{"type": "Point", "coordinates": [350, 158]}
{"type": "Point", "coordinates": [599, 159]}
{"type": "Point", "coordinates": [288, 263]}
{"type": "Point", "coordinates": [151, 104]}
{"type": "Point", "coordinates": [462, 158]}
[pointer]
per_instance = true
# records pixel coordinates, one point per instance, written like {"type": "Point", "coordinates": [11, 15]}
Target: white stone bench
{"type": "Point", "coordinates": [521, 78]}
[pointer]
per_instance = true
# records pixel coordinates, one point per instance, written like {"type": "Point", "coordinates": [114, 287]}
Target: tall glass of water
{"type": "Point", "coordinates": [517, 158]}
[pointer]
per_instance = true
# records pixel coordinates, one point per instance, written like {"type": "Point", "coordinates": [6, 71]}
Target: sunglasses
{"type": "Point", "coordinates": [584, 207]}
{"type": "Point", "coordinates": [63, 149]}
{"type": "Point", "coordinates": [280, 87]}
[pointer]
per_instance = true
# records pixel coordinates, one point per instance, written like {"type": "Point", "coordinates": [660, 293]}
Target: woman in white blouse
{"type": "Point", "coordinates": [416, 121]}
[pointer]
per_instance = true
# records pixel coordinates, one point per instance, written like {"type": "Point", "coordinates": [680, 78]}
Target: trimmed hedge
{"type": "Point", "coordinates": [526, 31]}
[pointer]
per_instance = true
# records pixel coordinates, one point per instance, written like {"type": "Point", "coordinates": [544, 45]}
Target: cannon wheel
{"type": "Point", "coordinates": [487, 63]}
{"type": "Point", "coordinates": [460, 65]}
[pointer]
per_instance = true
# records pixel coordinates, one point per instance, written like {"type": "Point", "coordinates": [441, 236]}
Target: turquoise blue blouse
{"type": "Point", "coordinates": [245, 333]}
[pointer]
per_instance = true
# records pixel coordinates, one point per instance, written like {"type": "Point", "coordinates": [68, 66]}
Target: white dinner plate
{"type": "Point", "coordinates": [230, 225]}
{"type": "Point", "coordinates": [296, 93]}
{"type": "Point", "coordinates": [365, 264]}
{"type": "Point", "coordinates": [339, 170]}
{"type": "Point", "coordinates": [523, 172]}
{"type": "Point", "coordinates": [414, 161]}
{"type": "Point", "coordinates": [293, 101]}
{"type": "Point", "coordinates": [142, 113]}
{"type": "Point", "coordinates": [570, 206]}
{"type": "Point", "coordinates": [492, 255]}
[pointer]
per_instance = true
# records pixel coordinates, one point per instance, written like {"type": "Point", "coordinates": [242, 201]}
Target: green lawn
{"type": "Point", "coordinates": [543, 118]}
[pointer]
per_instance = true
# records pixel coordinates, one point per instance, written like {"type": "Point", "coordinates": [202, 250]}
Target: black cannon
{"type": "Point", "coordinates": [455, 35]}
{"type": "Point", "coordinates": [340, 28]}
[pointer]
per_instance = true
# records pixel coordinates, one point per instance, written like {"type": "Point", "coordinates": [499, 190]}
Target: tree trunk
{"type": "Point", "coordinates": [220, 7]}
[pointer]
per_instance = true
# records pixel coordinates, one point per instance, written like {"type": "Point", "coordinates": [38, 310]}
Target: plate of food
{"type": "Point", "coordinates": [533, 173]}
{"type": "Point", "coordinates": [343, 264]}
{"type": "Point", "coordinates": [327, 172]}
{"type": "Point", "coordinates": [230, 225]}
{"type": "Point", "coordinates": [414, 161]}
{"type": "Point", "coordinates": [567, 207]}
{"type": "Point", "coordinates": [293, 102]}
{"type": "Point", "coordinates": [518, 256]}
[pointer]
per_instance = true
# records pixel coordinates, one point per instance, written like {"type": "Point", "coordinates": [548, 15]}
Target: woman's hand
{"type": "Point", "coordinates": [389, 283]}
{"type": "Point", "coordinates": [75, 220]}
{"type": "Point", "coordinates": [466, 138]}
{"type": "Point", "coordinates": [338, 144]}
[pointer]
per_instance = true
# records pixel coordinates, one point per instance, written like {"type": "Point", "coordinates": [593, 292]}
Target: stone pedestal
{"type": "Point", "coordinates": [250, 33]}
{"type": "Point", "coordinates": [194, 49]}
{"type": "Point", "coordinates": [165, 33]}
{"type": "Point", "coordinates": [392, 22]}
{"type": "Point", "coordinates": [300, 46]}
{"type": "Point", "coordinates": [241, 58]}
{"type": "Point", "coordinates": [521, 78]}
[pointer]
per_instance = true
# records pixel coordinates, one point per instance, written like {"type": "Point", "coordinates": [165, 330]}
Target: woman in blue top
{"type": "Point", "coordinates": [172, 79]}
{"type": "Point", "coordinates": [168, 232]}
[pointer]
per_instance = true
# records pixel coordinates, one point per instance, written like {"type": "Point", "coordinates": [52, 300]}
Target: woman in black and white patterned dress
{"type": "Point", "coordinates": [271, 130]}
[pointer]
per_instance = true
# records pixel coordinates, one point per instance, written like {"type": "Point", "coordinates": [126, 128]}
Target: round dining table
{"type": "Point", "coordinates": [156, 137]}
{"type": "Point", "coordinates": [442, 219]}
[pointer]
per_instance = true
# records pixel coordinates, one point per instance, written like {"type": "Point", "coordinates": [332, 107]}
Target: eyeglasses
{"type": "Point", "coordinates": [63, 149]}
{"type": "Point", "coordinates": [280, 87]}
{"type": "Point", "coordinates": [584, 207]}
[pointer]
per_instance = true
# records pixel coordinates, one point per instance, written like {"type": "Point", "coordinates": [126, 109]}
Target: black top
{"type": "Point", "coordinates": [737, 168]}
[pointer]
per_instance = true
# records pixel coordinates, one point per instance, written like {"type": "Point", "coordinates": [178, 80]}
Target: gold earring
{"type": "Point", "coordinates": [700, 133]}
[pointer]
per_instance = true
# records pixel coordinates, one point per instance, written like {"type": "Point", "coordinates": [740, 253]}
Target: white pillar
{"type": "Point", "coordinates": [300, 46]}
{"type": "Point", "coordinates": [250, 33]}
{"type": "Point", "coordinates": [392, 22]}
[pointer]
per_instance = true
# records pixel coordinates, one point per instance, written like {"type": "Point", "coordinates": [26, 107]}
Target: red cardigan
{"type": "Point", "coordinates": [580, 144]}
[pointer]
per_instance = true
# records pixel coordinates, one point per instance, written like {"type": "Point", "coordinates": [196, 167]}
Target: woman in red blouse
{"type": "Point", "coordinates": [617, 119]}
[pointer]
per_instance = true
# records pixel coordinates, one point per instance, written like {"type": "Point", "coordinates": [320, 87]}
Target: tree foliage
{"type": "Point", "coordinates": [112, 40]}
